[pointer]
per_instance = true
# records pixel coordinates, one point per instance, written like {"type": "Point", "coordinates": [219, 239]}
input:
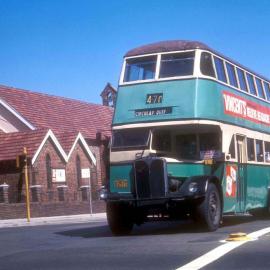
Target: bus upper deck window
{"type": "Point", "coordinates": [251, 84]}
{"type": "Point", "coordinates": [231, 74]}
{"type": "Point", "coordinates": [242, 80]}
{"type": "Point", "coordinates": [267, 90]}
{"type": "Point", "coordinates": [220, 69]}
{"type": "Point", "coordinates": [260, 88]}
{"type": "Point", "coordinates": [177, 64]}
{"type": "Point", "coordinates": [207, 65]}
{"type": "Point", "coordinates": [142, 68]}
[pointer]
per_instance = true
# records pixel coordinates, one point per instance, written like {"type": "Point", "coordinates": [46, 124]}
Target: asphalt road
{"type": "Point", "coordinates": [155, 245]}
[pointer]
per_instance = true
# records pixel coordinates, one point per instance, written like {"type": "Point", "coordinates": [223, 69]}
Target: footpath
{"type": "Point", "coordinates": [73, 219]}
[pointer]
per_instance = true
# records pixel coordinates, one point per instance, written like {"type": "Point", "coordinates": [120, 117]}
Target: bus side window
{"type": "Point", "coordinates": [259, 151]}
{"type": "Point", "coordinates": [242, 80]}
{"type": "Point", "coordinates": [251, 84]}
{"type": "Point", "coordinates": [220, 69]}
{"type": "Point", "coordinates": [260, 88]}
{"type": "Point", "coordinates": [232, 148]}
{"type": "Point", "coordinates": [267, 151]}
{"type": "Point", "coordinates": [231, 74]}
{"type": "Point", "coordinates": [267, 90]}
{"type": "Point", "coordinates": [207, 65]}
{"type": "Point", "coordinates": [250, 149]}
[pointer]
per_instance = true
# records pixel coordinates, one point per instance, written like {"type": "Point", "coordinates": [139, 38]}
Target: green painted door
{"type": "Point", "coordinates": [241, 174]}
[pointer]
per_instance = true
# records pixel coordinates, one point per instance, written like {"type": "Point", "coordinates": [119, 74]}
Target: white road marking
{"type": "Point", "coordinates": [218, 252]}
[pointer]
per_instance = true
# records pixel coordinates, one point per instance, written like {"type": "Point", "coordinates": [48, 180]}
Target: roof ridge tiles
{"type": "Point", "coordinates": [53, 96]}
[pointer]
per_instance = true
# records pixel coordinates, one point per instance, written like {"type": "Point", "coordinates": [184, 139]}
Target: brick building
{"type": "Point", "coordinates": [67, 152]}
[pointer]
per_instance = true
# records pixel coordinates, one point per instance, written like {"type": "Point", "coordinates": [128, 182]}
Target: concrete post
{"type": "Point", "coordinates": [62, 192]}
{"type": "Point", "coordinates": [85, 193]}
{"type": "Point", "coordinates": [4, 193]}
{"type": "Point", "coordinates": [36, 193]}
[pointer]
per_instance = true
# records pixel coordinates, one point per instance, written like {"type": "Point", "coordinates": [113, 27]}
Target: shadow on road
{"type": "Point", "coordinates": [149, 228]}
{"type": "Point", "coordinates": [156, 228]}
{"type": "Point", "coordinates": [236, 220]}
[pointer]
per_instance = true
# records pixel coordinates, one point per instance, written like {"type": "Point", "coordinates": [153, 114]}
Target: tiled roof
{"type": "Point", "coordinates": [12, 144]}
{"type": "Point", "coordinates": [67, 139]}
{"type": "Point", "coordinates": [58, 113]}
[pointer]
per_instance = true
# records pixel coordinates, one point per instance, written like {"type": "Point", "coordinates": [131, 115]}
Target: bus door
{"type": "Point", "coordinates": [241, 174]}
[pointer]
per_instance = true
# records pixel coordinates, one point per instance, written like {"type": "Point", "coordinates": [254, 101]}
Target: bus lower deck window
{"type": "Point", "coordinates": [129, 138]}
{"type": "Point", "coordinates": [209, 141]}
{"type": "Point", "coordinates": [267, 151]}
{"type": "Point", "coordinates": [162, 140]}
{"type": "Point", "coordinates": [186, 146]}
{"type": "Point", "coordinates": [259, 150]}
{"type": "Point", "coordinates": [232, 148]}
{"type": "Point", "coordinates": [250, 149]}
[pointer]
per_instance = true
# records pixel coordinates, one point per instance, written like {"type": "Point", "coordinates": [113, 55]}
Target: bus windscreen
{"type": "Point", "coordinates": [130, 138]}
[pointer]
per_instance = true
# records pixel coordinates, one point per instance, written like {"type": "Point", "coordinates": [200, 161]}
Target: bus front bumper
{"type": "Point", "coordinates": [130, 198]}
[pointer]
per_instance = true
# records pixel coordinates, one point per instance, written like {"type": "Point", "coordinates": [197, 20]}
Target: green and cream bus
{"type": "Point", "coordinates": [191, 137]}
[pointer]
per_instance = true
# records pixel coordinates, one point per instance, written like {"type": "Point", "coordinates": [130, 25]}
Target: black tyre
{"type": "Point", "coordinates": [209, 211]}
{"type": "Point", "coordinates": [119, 218]}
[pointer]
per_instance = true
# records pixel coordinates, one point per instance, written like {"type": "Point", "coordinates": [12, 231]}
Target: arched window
{"type": "Point", "coordinates": [78, 170]}
{"type": "Point", "coordinates": [49, 171]}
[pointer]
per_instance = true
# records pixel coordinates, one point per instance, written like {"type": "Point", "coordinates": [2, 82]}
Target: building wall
{"type": "Point", "coordinates": [96, 174]}
{"type": "Point", "coordinates": [18, 210]}
{"type": "Point", "coordinates": [12, 176]}
{"type": "Point", "coordinates": [77, 181]}
{"type": "Point", "coordinates": [57, 198]}
{"type": "Point", "coordinates": [38, 172]}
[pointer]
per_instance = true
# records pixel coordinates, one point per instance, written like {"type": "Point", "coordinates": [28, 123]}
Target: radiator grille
{"type": "Point", "coordinates": [149, 178]}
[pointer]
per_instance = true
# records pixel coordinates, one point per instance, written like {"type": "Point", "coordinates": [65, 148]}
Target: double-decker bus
{"type": "Point", "coordinates": [191, 136]}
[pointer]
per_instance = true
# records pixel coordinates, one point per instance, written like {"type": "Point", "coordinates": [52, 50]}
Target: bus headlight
{"type": "Point", "coordinates": [103, 194]}
{"type": "Point", "coordinates": [193, 187]}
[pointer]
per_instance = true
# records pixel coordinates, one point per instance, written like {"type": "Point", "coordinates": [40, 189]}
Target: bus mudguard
{"type": "Point", "coordinates": [196, 186]}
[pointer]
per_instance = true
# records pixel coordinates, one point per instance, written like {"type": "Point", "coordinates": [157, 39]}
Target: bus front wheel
{"type": "Point", "coordinates": [119, 218]}
{"type": "Point", "coordinates": [209, 211]}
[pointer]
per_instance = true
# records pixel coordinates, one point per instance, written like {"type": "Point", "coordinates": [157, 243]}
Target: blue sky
{"type": "Point", "coordinates": [72, 48]}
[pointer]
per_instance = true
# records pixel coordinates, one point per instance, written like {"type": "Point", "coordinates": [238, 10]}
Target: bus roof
{"type": "Point", "coordinates": [180, 45]}
{"type": "Point", "coordinates": [167, 46]}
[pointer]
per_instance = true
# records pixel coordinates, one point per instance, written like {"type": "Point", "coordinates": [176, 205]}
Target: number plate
{"type": "Point", "coordinates": [121, 183]}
